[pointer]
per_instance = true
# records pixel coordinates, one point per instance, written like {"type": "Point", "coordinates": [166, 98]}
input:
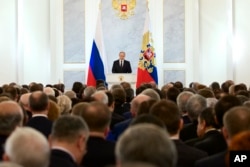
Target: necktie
{"type": "Point", "coordinates": [121, 63]}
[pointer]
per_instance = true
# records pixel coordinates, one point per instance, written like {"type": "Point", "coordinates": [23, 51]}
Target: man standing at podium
{"type": "Point", "coordinates": [121, 65]}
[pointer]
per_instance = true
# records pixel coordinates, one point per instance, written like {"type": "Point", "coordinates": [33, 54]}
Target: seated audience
{"type": "Point", "coordinates": [24, 103]}
{"type": "Point", "coordinates": [27, 147]}
{"type": "Point", "coordinates": [39, 105]}
{"type": "Point", "coordinates": [79, 108]}
{"type": "Point", "coordinates": [223, 105]}
{"type": "Point", "coordinates": [149, 119]}
{"type": "Point", "coordinates": [115, 117]}
{"type": "Point", "coordinates": [239, 142]}
{"type": "Point", "coordinates": [100, 151]}
{"type": "Point", "coordinates": [53, 111]}
{"type": "Point", "coordinates": [33, 87]}
{"type": "Point", "coordinates": [59, 87]}
{"type": "Point", "coordinates": [49, 91]}
{"type": "Point", "coordinates": [145, 106]}
{"type": "Point", "coordinates": [209, 138]}
{"type": "Point", "coordinates": [88, 91]}
{"type": "Point", "coordinates": [12, 91]}
{"type": "Point", "coordinates": [146, 143]}
{"type": "Point", "coordinates": [151, 93]}
{"type": "Point", "coordinates": [206, 92]}
{"type": "Point", "coordinates": [129, 97]}
{"type": "Point", "coordinates": [168, 112]}
{"type": "Point", "coordinates": [65, 104]}
{"type": "Point", "coordinates": [235, 120]}
{"type": "Point", "coordinates": [119, 99]}
{"type": "Point", "coordinates": [76, 87]}
{"type": "Point", "coordinates": [120, 127]}
{"type": "Point", "coordinates": [195, 105]}
{"type": "Point", "coordinates": [68, 141]}
{"type": "Point", "coordinates": [242, 98]}
{"type": "Point", "coordinates": [181, 101]}
{"type": "Point", "coordinates": [172, 94]}
{"type": "Point", "coordinates": [11, 116]}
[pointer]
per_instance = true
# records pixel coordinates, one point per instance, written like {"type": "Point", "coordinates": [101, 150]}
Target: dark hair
{"type": "Point", "coordinates": [60, 87]}
{"type": "Point", "coordinates": [68, 128]}
{"type": "Point", "coordinates": [145, 106]}
{"type": "Point", "coordinates": [223, 105]}
{"type": "Point", "coordinates": [119, 96]}
{"type": "Point", "coordinates": [110, 98]}
{"type": "Point", "coordinates": [208, 116]}
{"type": "Point", "coordinates": [140, 89]}
{"type": "Point", "coordinates": [12, 91]}
{"type": "Point", "coordinates": [36, 87]}
{"type": "Point", "coordinates": [77, 86]}
{"type": "Point", "coordinates": [215, 86]}
{"type": "Point", "coordinates": [168, 112]}
{"type": "Point", "coordinates": [129, 94]}
{"type": "Point", "coordinates": [147, 118]}
{"type": "Point", "coordinates": [172, 94]}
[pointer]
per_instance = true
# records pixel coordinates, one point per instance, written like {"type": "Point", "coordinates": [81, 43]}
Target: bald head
{"type": "Point", "coordinates": [101, 97]}
{"type": "Point", "coordinates": [11, 116]}
{"type": "Point", "coordinates": [24, 101]}
{"type": "Point", "coordinates": [137, 101]}
{"type": "Point", "coordinates": [97, 116]}
{"type": "Point", "coordinates": [38, 101]}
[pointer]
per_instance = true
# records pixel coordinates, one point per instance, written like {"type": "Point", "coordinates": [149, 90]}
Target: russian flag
{"type": "Point", "coordinates": [147, 71]}
{"type": "Point", "coordinates": [97, 63]}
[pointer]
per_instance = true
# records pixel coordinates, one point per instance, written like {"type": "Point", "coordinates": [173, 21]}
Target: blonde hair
{"type": "Point", "coordinates": [65, 104]}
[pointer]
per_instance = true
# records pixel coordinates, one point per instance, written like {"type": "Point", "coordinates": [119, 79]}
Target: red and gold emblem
{"type": "Point", "coordinates": [124, 8]}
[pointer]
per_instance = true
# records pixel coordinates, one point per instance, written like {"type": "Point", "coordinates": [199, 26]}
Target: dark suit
{"type": "Point", "coordinates": [118, 129]}
{"type": "Point", "coordinates": [61, 158]}
{"type": "Point", "coordinates": [126, 68]}
{"type": "Point", "coordinates": [187, 155]}
{"type": "Point", "coordinates": [3, 138]}
{"type": "Point", "coordinates": [212, 161]}
{"type": "Point", "coordinates": [186, 119]}
{"type": "Point", "coordinates": [189, 131]}
{"type": "Point", "coordinates": [42, 124]}
{"type": "Point", "coordinates": [115, 118]}
{"type": "Point", "coordinates": [100, 153]}
{"type": "Point", "coordinates": [212, 142]}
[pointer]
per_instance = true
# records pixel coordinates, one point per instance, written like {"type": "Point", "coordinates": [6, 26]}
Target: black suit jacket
{"type": "Point", "coordinates": [115, 118]}
{"type": "Point", "coordinates": [100, 153]}
{"type": "Point", "coordinates": [3, 139]}
{"type": "Point", "coordinates": [212, 142]}
{"type": "Point", "coordinates": [187, 155]}
{"type": "Point", "coordinates": [189, 131]}
{"type": "Point", "coordinates": [126, 68]}
{"type": "Point", "coordinates": [42, 124]}
{"type": "Point", "coordinates": [59, 158]}
{"type": "Point", "coordinates": [118, 129]}
{"type": "Point", "coordinates": [212, 161]}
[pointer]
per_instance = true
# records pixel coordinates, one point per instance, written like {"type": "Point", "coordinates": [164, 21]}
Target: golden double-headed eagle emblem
{"type": "Point", "coordinates": [124, 8]}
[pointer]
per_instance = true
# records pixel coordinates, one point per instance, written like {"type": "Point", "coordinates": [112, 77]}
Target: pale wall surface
{"type": "Point", "coordinates": [216, 38]}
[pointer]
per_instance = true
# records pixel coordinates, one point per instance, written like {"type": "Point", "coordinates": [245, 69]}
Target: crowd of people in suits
{"type": "Point", "coordinates": [175, 126]}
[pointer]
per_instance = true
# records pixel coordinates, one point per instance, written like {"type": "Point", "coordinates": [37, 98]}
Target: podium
{"type": "Point", "coordinates": [112, 79]}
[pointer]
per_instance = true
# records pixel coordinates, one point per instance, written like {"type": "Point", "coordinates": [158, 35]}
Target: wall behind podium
{"type": "Point", "coordinates": [123, 34]}
{"type": "Point", "coordinates": [217, 34]}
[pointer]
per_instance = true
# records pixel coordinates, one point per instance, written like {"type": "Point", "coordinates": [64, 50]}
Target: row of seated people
{"type": "Point", "coordinates": [188, 120]}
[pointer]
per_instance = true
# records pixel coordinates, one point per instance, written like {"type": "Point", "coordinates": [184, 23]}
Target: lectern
{"type": "Point", "coordinates": [112, 79]}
